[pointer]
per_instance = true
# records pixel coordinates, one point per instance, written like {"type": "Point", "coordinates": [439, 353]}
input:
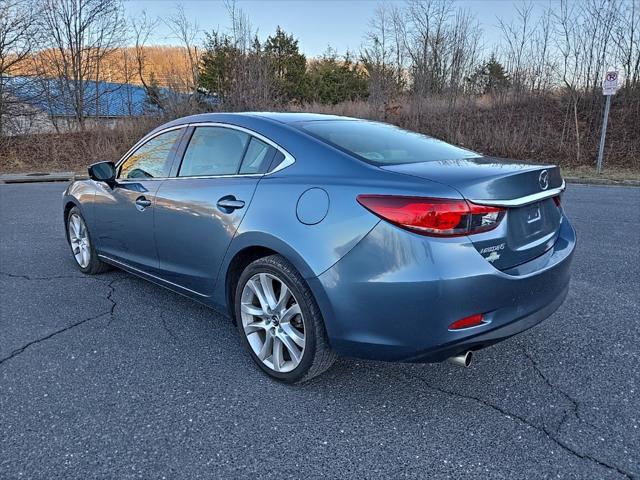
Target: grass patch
{"type": "Point", "coordinates": [613, 174]}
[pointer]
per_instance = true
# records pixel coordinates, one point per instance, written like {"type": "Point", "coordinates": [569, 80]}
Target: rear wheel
{"type": "Point", "coordinates": [280, 322]}
{"type": "Point", "coordinates": [81, 246]}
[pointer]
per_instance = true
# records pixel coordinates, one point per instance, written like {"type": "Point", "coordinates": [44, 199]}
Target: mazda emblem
{"type": "Point", "coordinates": [543, 179]}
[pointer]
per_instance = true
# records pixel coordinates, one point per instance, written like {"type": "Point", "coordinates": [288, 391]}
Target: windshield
{"type": "Point", "coordinates": [382, 144]}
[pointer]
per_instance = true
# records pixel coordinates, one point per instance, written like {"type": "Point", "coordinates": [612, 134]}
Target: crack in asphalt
{"type": "Point", "coordinates": [109, 312]}
{"type": "Point", "coordinates": [551, 435]}
{"type": "Point", "coordinates": [166, 327]}
{"type": "Point", "coordinates": [575, 405]}
{"type": "Point", "coordinates": [110, 298]}
{"type": "Point", "coordinates": [19, 350]}
{"type": "Point", "coordinates": [51, 277]}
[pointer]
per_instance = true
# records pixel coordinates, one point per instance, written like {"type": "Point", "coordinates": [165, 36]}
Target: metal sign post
{"type": "Point", "coordinates": [609, 87]}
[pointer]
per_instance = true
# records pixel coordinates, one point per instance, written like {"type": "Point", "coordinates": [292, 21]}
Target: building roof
{"type": "Point", "coordinates": [53, 96]}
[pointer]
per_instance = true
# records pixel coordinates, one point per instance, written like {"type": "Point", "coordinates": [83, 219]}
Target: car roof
{"type": "Point", "coordinates": [286, 118]}
{"type": "Point", "coordinates": [296, 117]}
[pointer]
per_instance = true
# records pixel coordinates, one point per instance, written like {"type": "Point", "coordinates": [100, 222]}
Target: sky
{"type": "Point", "coordinates": [317, 24]}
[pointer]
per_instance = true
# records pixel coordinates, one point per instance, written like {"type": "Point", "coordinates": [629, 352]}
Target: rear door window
{"type": "Point", "coordinates": [214, 151]}
{"type": "Point", "coordinates": [257, 156]}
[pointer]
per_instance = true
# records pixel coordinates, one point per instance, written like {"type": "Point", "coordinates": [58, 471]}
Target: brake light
{"type": "Point", "coordinates": [440, 217]}
{"type": "Point", "coordinates": [468, 322]}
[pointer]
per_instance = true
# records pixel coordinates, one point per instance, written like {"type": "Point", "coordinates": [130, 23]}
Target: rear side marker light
{"type": "Point", "coordinates": [438, 217]}
{"type": "Point", "coordinates": [556, 200]}
{"type": "Point", "coordinates": [468, 322]}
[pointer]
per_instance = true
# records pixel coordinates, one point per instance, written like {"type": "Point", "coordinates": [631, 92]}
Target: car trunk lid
{"type": "Point", "coordinates": [532, 220]}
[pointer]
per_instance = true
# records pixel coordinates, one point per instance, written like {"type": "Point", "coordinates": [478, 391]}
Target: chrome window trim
{"type": "Point", "coordinates": [519, 202]}
{"type": "Point", "coordinates": [138, 180]}
{"type": "Point", "coordinates": [152, 179]}
{"type": "Point", "coordinates": [288, 158]}
{"type": "Point", "coordinates": [144, 140]}
{"type": "Point", "coordinates": [231, 175]}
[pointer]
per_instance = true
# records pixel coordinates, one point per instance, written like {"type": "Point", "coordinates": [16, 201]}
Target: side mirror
{"type": "Point", "coordinates": [103, 172]}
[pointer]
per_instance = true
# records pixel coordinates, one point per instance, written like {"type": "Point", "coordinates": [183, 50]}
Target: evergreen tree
{"type": "Point", "coordinates": [288, 65]}
{"type": "Point", "coordinates": [276, 72]}
{"type": "Point", "coordinates": [490, 77]}
{"type": "Point", "coordinates": [217, 65]}
{"type": "Point", "coordinates": [497, 78]}
{"type": "Point", "coordinates": [334, 80]}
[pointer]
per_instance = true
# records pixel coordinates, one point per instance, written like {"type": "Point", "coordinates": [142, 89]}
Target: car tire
{"type": "Point", "coordinates": [307, 327]}
{"type": "Point", "coordinates": [80, 242]}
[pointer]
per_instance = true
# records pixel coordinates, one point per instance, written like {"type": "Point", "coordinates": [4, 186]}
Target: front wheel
{"type": "Point", "coordinates": [81, 246]}
{"type": "Point", "coordinates": [280, 322]}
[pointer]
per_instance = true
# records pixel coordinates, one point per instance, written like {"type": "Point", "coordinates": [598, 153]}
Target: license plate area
{"type": "Point", "coordinates": [526, 233]}
{"type": "Point", "coordinates": [533, 213]}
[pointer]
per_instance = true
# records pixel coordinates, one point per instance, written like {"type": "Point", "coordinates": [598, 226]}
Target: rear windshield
{"type": "Point", "coordinates": [382, 144]}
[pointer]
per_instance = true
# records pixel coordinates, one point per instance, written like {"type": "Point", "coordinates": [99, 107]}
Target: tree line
{"type": "Point", "coordinates": [415, 54]}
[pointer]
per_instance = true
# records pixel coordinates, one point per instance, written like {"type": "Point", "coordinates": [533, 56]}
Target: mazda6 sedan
{"type": "Point", "coordinates": [323, 236]}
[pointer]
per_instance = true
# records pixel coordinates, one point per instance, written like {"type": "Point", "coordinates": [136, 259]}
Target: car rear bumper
{"type": "Point", "coordinates": [393, 296]}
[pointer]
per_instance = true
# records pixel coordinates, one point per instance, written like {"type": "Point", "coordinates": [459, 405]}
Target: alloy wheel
{"type": "Point", "coordinates": [273, 322]}
{"type": "Point", "coordinates": [79, 238]}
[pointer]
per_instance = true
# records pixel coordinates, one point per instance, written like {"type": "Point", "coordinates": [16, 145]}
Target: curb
{"type": "Point", "coordinates": [37, 177]}
{"type": "Point", "coordinates": [602, 181]}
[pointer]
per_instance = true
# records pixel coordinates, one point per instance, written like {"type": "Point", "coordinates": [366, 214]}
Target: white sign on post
{"type": "Point", "coordinates": [610, 86]}
{"type": "Point", "coordinates": [611, 82]}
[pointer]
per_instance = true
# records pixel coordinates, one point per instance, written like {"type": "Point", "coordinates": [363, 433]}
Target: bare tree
{"type": "Point", "coordinates": [383, 55]}
{"type": "Point", "coordinates": [235, 66]}
{"type": "Point", "coordinates": [518, 37]}
{"type": "Point", "coordinates": [426, 42]}
{"type": "Point", "coordinates": [627, 40]}
{"type": "Point", "coordinates": [186, 33]}
{"type": "Point", "coordinates": [543, 66]}
{"type": "Point", "coordinates": [142, 28]}
{"type": "Point", "coordinates": [253, 83]}
{"type": "Point", "coordinates": [568, 44]}
{"type": "Point", "coordinates": [81, 34]}
{"type": "Point", "coordinates": [19, 35]}
{"type": "Point", "coordinates": [443, 45]}
{"type": "Point", "coordinates": [465, 48]}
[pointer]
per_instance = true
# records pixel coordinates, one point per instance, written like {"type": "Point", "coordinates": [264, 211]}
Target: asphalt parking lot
{"type": "Point", "coordinates": [114, 377]}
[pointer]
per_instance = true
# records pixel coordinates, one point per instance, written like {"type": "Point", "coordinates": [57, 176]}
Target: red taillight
{"type": "Point", "coordinates": [472, 321]}
{"type": "Point", "coordinates": [556, 200]}
{"type": "Point", "coordinates": [440, 217]}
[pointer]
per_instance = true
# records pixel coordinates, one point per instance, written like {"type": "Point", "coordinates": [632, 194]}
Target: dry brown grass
{"type": "Point", "coordinates": [72, 151]}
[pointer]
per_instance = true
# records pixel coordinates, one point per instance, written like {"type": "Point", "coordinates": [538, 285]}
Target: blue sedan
{"type": "Point", "coordinates": [324, 235]}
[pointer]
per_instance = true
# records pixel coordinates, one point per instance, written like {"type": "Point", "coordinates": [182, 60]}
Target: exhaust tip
{"type": "Point", "coordinates": [462, 360]}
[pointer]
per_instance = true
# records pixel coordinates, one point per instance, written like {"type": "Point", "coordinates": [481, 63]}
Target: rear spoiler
{"type": "Point", "coordinates": [519, 202]}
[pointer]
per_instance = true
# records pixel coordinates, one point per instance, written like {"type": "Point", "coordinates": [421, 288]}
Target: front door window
{"type": "Point", "coordinates": [152, 159]}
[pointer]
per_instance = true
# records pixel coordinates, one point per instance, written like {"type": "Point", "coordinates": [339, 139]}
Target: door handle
{"type": "Point", "coordinates": [229, 203]}
{"type": "Point", "coordinates": [142, 203]}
